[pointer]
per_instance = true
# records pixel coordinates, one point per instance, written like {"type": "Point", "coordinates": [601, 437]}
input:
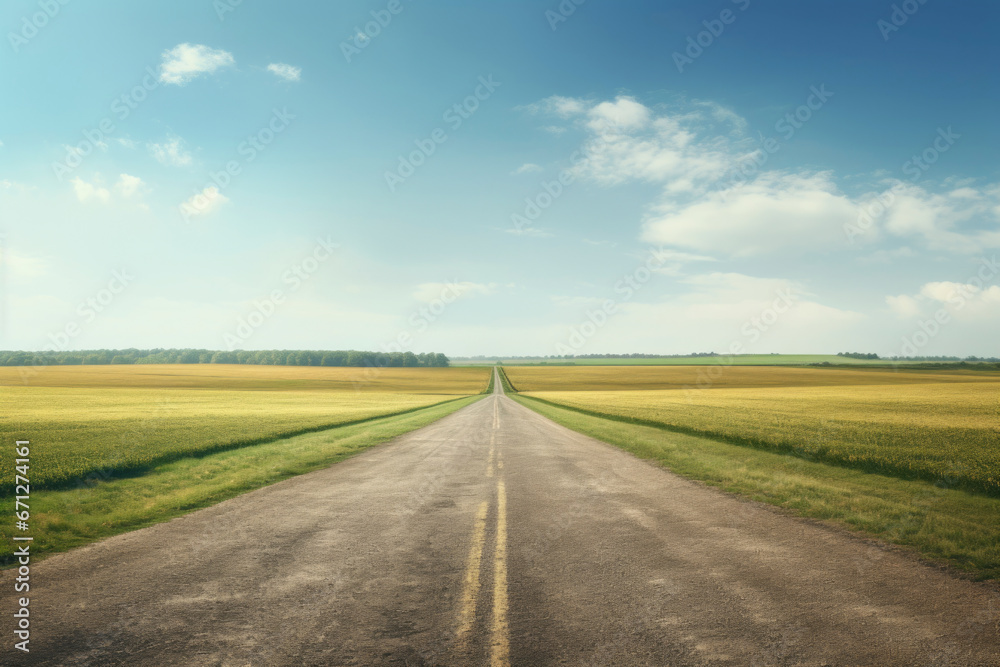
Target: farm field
{"type": "Point", "coordinates": [98, 420]}
{"type": "Point", "coordinates": [722, 360]}
{"type": "Point", "coordinates": [930, 426]}
{"type": "Point", "coordinates": [698, 378]}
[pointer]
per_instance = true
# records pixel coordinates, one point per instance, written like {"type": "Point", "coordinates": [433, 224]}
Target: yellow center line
{"type": "Point", "coordinates": [500, 639]}
{"type": "Point", "coordinates": [470, 587]}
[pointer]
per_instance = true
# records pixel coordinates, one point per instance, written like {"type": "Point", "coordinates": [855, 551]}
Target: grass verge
{"type": "Point", "coordinates": [63, 519]}
{"type": "Point", "coordinates": [505, 381]}
{"type": "Point", "coordinates": [945, 525]}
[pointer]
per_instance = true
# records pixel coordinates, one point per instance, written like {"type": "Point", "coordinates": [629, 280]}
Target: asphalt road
{"type": "Point", "coordinates": [495, 536]}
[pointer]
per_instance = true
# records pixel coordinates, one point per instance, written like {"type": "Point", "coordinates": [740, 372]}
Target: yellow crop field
{"type": "Point", "coordinates": [939, 427]}
{"type": "Point", "coordinates": [608, 378]}
{"type": "Point", "coordinates": [85, 421]}
{"type": "Point", "coordinates": [456, 381]}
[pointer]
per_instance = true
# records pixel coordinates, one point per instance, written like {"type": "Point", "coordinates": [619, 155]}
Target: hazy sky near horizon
{"type": "Point", "coordinates": [501, 178]}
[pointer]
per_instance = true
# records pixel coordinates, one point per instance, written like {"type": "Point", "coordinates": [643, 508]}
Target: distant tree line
{"type": "Point", "coordinates": [259, 357]}
{"type": "Point", "coordinates": [970, 358]}
{"type": "Point", "coordinates": [872, 355]}
{"type": "Point", "coordinates": [858, 355]}
{"type": "Point", "coordinates": [633, 355]}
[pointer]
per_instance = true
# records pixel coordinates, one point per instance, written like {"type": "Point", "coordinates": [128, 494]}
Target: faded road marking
{"type": "Point", "coordinates": [470, 587]}
{"type": "Point", "coordinates": [500, 634]}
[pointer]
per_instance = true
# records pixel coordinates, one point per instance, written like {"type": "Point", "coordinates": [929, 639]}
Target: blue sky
{"type": "Point", "coordinates": [757, 191]}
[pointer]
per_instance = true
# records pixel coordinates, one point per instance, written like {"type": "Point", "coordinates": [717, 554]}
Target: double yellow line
{"type": "Point", "coordinates": [471, 586]}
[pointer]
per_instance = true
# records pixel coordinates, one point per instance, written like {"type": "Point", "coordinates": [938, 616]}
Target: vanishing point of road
{"type": "Point", "coordinates": [496, 537]}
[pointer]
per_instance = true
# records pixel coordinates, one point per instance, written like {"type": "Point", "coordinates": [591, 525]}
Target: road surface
{"type": "Point", "coordinates": [495, 536]}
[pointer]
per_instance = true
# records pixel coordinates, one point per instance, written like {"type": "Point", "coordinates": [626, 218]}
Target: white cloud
{"type": "Point", "coordinates": [951, 221]}
{"type": "Point", "coordinates": [87, 191]}
{"type": "Point", "coordinates": [903, 305]}
{"type": "Point", "coordinates": [171, 152]}
{"type": "Point", "coordinates": [527, 168]}
{"type": "Point", "coordinates": [668, 255]}
{"type": "Point", "coordinates": [773, 213]}
{"type": "Point", "coordinates": [450, 291]}
{"type": "Point", "coordinates": [623, 113]}
{"type": "Point", "coordinates": [966, 301]}
{"type": "Point", "coordinates": [203, 203]}
{"type": "Point", "coordinates": [287, 72]}
{"type": "Point", "coordinates": [184, 62]}
{"type": "Point", "coordinates": [718, 195]}
{"type": "Point", "coordinates": [666, 151]}
{"type": "Point", "coordinates": [128, 186]}
{"type": "Point", "coordinates": [563, 107]}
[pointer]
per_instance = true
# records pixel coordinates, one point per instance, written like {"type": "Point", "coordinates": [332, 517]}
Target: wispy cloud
{"type": "Point", "coordinates": [171, 152]}
{"type": "Point", "coordinates": [204, 203]}
{"type": "Point", "coordinates": [185, 62]}
{"type": "Point", "coordinates": [528, 168]}
{"type": "Point", "coordinates": [287, 72]}
{"type": "Point", "coordinates": [694, 152]}
{"type": "Point", "coordinates": [89, 191]}
{"type": "Point", "coordinates": [126, 187]}
{"type": "Point", "coordinates": [129, 186]}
